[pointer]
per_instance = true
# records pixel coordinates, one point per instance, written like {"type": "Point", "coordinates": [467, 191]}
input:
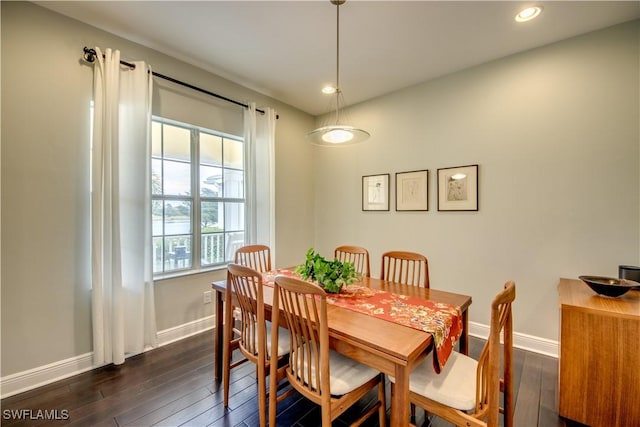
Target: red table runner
{"type": "Point", "coordinates": [443, 321]}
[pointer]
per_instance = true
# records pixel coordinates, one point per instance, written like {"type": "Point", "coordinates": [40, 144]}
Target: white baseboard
{"type": "Point", "coordinates": [523, 341]}
{"type": "Point", "coordinates": [167, 336]}
{"type": "Point", "coordinates": [43, 375]}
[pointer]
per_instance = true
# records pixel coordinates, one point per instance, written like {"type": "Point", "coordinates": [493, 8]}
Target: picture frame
{"type": "Point", "coordinates": [412, 190]}
{"type": "Point", "coordinates": [375, 192]}
{"type": "Point", "coordinates": [458, 188]}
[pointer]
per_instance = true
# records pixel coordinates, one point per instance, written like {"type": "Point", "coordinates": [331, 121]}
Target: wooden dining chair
{"type": "Point", "coordinates": [327, 378]}
{"type": "Point", "coordinates": [255, 336]}
{"type": "Point", "coordinates": [257, 257]}
{"type": "Point", "coordinates": [467, 392]}
{"type": "Point", "coordinates": [357, 255]}
{"type": "Point", "coordinates": [409, 268]}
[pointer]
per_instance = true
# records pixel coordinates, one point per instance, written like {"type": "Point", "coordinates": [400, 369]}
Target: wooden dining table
{"type": "Point", "coordinates": [387, 346]}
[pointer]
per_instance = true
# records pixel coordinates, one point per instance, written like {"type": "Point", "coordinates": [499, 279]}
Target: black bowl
{"type": "Point", "coordinates": [609, 286]}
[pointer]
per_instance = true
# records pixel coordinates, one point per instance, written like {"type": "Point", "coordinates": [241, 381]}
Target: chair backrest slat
{"type": "Point", "coordinates": [305, 310]}
{"type": "Point", "coordinates": [404, 267]}
{"type": "Point", "coordinates": [257, 257]}
{"type": "Point", "coordinates": [357, 255]}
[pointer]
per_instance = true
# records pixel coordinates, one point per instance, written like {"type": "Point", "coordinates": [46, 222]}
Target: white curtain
{"type": "Point", "coordinates": [259, 137]}
{"type": "Point", "coordinates": [122, 274]}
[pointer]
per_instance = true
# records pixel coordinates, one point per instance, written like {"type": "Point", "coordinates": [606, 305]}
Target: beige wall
{"type": "Point", "coordinates": [555, 132]}
{"type": "Point", "coordinates": [46, 92]}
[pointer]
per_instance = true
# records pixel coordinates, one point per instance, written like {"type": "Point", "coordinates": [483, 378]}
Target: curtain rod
{"type": "Point", "coordinates": [90, 56]}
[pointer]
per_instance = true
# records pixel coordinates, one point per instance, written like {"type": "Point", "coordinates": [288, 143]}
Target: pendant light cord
{"type": "Point", "coordinates": [337, 62]}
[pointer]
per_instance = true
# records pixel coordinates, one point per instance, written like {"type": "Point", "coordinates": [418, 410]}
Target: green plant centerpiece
{"type": "Point", "coordinates": [331, 275]}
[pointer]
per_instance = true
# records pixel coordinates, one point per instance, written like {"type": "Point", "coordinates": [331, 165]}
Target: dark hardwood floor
{"type": "Point", "coordinates": [174, 386]}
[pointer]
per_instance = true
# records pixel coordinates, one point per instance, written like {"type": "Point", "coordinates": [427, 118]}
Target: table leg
{"type": "Point", "coordinates": [464, 338]}
{"type": "Point", "coordinates": [400, 398]}
{"type": "Point", "coordinates": [226, 347]}
{"type": "Point", "coordinates": [219, 335]}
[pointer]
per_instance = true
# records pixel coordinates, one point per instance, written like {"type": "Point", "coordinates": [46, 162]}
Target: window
{"type": "Point", "coordinates": [198, 178]}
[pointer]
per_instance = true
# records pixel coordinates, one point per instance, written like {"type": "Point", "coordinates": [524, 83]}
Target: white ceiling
{"type": "Point", "coordinates": [287, 49]}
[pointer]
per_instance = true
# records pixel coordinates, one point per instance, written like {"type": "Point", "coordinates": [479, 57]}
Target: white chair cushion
{"type": "Point", "coordinates": [284, 342]}
{"type": "Point", "coordinates": [345, 374]}
{"type": "Point", "coordinates": [454, 386]}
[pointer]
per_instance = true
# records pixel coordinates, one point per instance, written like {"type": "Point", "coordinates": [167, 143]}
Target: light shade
{"type": "Point", "coordinates": [337, 135]}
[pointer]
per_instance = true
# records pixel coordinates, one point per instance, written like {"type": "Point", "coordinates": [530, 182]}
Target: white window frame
{"type": "Point", "coordinates": [196, 200]}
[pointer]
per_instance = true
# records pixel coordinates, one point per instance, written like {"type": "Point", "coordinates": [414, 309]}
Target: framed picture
{"type": "Point", "coordinates": [412, 191]}
{"type": "Point", "coordinates": [375, 192]}
{"type": "Point", "coordinates": [458, 188]}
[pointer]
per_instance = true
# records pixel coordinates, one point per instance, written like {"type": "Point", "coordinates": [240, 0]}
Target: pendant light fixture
{"type": "Point", "coordinates": [337, 133]}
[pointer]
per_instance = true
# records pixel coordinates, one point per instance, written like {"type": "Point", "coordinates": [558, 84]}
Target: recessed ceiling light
{"type": "Point", "coordinates": [528, 14]}
{"type": "Point", "coordinates": [328, 90]}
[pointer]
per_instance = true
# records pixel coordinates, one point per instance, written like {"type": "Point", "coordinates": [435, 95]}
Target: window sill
{"type": "Point", "coordinates": [190, 272]}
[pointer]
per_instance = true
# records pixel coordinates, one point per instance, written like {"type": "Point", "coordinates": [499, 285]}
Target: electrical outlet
{"type": "Point", "coordinates": [207, 297]}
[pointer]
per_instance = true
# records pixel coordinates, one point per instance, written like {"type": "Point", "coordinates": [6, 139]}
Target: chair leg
{"type": "Point", "coordinates": [262, 395]}
{"type": "Point", "coordinates": [226, 371]}
{"type": "Point", "coordinates": [325, 410]}
{"type": "Point", "coordinates": [382, 411]}
{"type": "Point", "coordinates": [273, 394]}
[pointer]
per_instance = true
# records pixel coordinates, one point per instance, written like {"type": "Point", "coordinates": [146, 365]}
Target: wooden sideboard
{"type": "Point", "coordinates": [599, 364]}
